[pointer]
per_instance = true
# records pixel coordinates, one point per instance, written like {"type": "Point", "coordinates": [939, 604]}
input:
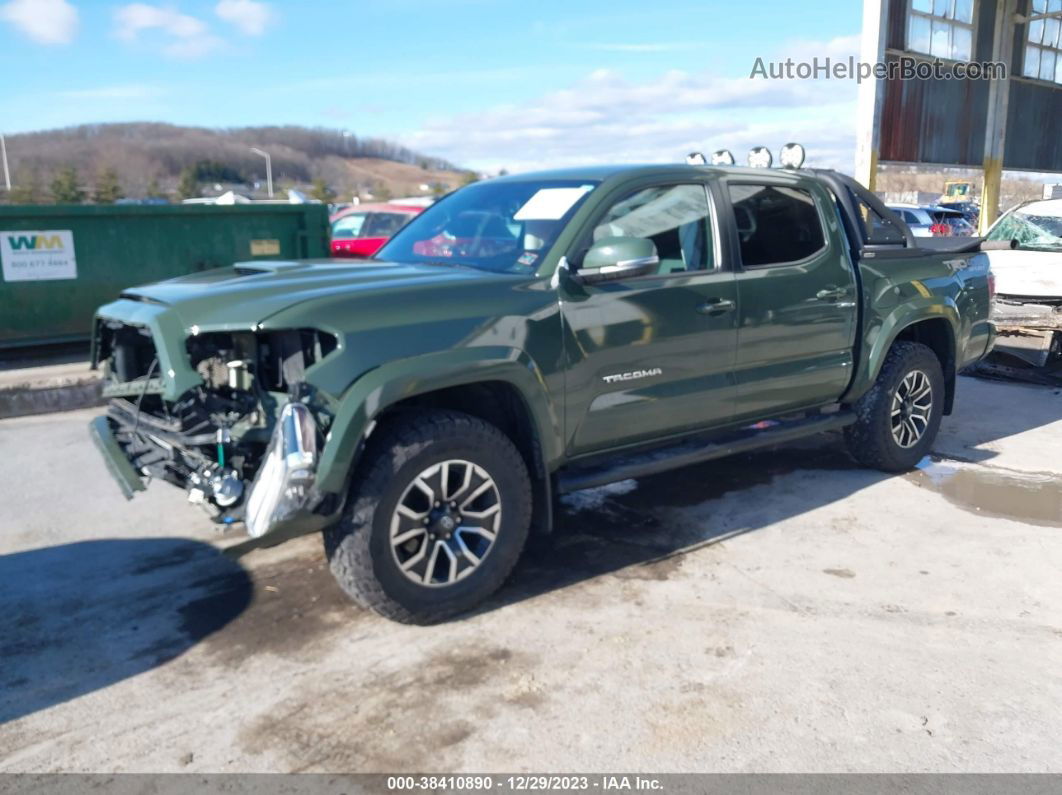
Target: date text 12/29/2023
{"type": "Point", "coordinates": [524, 782]}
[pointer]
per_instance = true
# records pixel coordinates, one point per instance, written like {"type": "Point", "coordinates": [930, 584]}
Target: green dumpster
{"type": "Point", "coordinates": [60, 263]}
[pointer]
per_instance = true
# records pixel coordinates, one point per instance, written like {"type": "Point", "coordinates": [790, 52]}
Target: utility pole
{"type": "Point", "coordinates": [871, 93]}
{"type": "Point", "coordinates": [996, 121]}
{"type": "Point", "coordinates": [7, 172]}
{"type": "Point", "coordinates": [269, 169]}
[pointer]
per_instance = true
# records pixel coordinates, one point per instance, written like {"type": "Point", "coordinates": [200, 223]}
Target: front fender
{"type": "Point", "coordinates": [390, 383]}
{"type": "Point", "coordinates": [882, 331]}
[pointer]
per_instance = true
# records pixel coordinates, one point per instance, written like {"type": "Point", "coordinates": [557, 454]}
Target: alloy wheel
{"type": "Point", "coordinates": [445, 523]}
{"type": "Point", "coordinates": [912, 405]}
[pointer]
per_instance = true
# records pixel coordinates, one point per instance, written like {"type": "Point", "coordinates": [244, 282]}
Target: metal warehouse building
{"type": "Point", "coordinates": [1011, 122]}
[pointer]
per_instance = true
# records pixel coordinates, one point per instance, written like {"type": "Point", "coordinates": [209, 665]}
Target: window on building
{"type": "Point", "coordinates": [1043, 48]}
{"type": "Point", "coordinates": [942, 28]}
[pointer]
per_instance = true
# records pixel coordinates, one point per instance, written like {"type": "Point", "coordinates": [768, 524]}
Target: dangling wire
{"type": "Point", "coordinates": [139, 400]}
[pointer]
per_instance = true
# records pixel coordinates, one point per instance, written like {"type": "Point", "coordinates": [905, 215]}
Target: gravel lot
{"type": "Point", "coordinates": [782, 611]}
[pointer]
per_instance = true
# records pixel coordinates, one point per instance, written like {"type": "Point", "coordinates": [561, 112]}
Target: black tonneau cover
{"type": "Point", "coordinates": [964, 245]}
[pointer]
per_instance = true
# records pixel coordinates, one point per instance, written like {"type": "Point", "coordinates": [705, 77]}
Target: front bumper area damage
{"type": "Point", "coordinates": [244, 443]}
{"type": "Point", "coordinates": [283, 490]}
{"type": "Point", "coordinates": [1029, 340]}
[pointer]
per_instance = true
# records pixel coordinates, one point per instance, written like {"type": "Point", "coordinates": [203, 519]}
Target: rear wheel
{"type": "Point", "coordinates": [898, 418]}
{"type": "Point", "coordinates": [438, 518]}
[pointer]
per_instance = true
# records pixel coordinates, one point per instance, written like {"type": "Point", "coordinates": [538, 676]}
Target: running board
{"type": "Point", "coordinates": [695, 451]}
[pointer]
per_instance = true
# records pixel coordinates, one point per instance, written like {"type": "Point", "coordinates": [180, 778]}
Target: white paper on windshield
{"type": "Point", "coordinates": [550, 204]}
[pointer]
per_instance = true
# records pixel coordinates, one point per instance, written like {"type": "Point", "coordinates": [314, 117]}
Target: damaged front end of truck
{"type": "Point", "coordinates": [227, 416]}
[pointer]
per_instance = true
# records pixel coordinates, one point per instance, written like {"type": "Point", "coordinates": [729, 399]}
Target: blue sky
{"type": "Point", "coordinates": [487, 84]}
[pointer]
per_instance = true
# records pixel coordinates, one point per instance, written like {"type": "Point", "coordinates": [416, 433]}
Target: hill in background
{"type": "Point", "coordinates": [151, 159]}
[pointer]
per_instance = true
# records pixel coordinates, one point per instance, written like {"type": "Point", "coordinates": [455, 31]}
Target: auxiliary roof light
{"type": "Point", "coordinates": [760, 157]}
{"type": "Point", "coordinates": [696, 159]}
{"type": "Point", "coordinates": [792, 155]}
{"type": "Point", "coordinates": [722, 157]}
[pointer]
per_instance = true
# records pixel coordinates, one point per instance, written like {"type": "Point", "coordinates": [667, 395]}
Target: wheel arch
{"type": "Point", "coordinates": [931, 323]}
{"type": "Point", "coordinates": [501, 386]}
{"type": "Point", "coordinates": [939, 336]}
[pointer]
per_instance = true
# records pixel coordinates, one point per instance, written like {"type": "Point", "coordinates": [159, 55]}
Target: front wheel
{"type": "Point", "coordinates": [898, 418]}
{"type": "Point", "coordinates": [438, 517]}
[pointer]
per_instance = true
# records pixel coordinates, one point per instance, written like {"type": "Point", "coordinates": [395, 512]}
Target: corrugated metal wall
{"type": "Point", "coordinates": [943, 121]}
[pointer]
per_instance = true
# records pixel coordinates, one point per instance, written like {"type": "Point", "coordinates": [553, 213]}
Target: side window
{"type": "Point", "coordinates": [776, 224]}
{"type": "Point", "coordinates": [383, 224]}
{"type": "Point", "coordinates": [877, 229]}
{"type": "Point", "coordinates": [675, 217]}
{"type": "Point", "coordinates": [349, 226]}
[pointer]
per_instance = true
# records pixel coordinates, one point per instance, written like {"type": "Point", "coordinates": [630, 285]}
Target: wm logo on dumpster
{"type": "Point", "coordinates": [35, 242]}
{"type": "Point", "coordinates": [32, 255]}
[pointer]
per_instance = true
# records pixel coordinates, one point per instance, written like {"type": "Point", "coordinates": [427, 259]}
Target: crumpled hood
{"type": "Point", "coordinates": [248, 293]}
{"type": "Point", "coordinates": [1036, 274]}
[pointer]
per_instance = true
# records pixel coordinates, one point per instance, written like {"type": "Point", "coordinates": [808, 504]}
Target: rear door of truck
{"type": "Point", "coordinates": [797, 293]}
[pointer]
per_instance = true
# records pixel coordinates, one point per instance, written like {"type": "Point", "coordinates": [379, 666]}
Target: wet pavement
{"type": "Point", "coordinates": [1032, 497]}
{"type": "Point", "coordinates": [778, 611]}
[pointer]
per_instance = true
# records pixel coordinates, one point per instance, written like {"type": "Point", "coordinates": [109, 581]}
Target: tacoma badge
{"type": "Point", "coordinates": [631, 376]}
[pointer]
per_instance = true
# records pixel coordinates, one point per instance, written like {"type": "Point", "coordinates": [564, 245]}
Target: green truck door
{"type": "Point", "coordinates": [796, 297]}
{"type": "Point", "coordinates": [651, 355]}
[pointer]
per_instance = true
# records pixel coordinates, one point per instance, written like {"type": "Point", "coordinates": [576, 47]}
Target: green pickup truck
{"type": "Point", "coordinates": [529, 336]}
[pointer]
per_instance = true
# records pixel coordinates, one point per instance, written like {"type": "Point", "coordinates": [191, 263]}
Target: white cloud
{"type": "Point", "coordinates": [136, 17]}
{"type": "Point", "coordinates": [44, 21]}
{"type": "Point", "coordinates": [248, 16]}
{"type": "Point", "coordinates": [607, 118]}
{"type": "Point", "coordinates": [185, 36]}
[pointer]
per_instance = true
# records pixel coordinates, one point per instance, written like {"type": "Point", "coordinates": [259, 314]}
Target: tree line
{"type": "Point", "coordinates": [103, 163]}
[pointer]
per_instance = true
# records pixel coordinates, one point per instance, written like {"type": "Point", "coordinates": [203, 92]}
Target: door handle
{"type": "Point", "coordinates": [831, 294]}
{"type": "Point", "coordinates": [717, 306]}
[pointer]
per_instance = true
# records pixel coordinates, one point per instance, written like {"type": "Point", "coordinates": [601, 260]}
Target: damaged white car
{"type": "Point", "coordinates": [1028, 306]}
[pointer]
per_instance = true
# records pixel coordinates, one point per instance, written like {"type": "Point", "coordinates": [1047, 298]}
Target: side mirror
{"type": "Point", "coordinates": [614, 258]}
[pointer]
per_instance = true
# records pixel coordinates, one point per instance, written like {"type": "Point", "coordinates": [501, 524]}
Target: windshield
{"type": "Point", "coordinates": [1034, 226]}
{"type": "Point", "coordinates": [504, 226]}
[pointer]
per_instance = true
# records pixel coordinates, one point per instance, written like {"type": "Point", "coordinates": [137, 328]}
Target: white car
{"type": "Point", "coordinates": [1034, 269]}
{"type": "Point", "coordinates": [1028, 307]}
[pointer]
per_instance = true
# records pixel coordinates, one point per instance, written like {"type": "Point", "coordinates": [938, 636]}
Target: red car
{"type": "Point", "coordinates": [361, 230]}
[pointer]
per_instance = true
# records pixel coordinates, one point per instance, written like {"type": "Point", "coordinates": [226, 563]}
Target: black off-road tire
{"type": "Point", "coordinates": [870, 440]}
{"type": "Point", "coordinates": [358, 546]}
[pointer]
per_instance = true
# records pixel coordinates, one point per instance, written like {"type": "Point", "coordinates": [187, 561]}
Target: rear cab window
{"type": "Point", "coordinates": [875, 227]}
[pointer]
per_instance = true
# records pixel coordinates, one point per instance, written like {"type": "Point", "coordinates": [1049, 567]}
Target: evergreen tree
{"type": "Point", "coordinates": [188, 185]}
{"type": "Point", "coordinates": [66, 188]}
{"type": "Point", "coordinates": [108, 190]}
{"type": "Point", "coordinates": [154, 191]}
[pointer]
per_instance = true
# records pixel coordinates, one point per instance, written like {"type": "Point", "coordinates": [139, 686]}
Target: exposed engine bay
{"type": "Point", "coordinates": [218, 439]}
